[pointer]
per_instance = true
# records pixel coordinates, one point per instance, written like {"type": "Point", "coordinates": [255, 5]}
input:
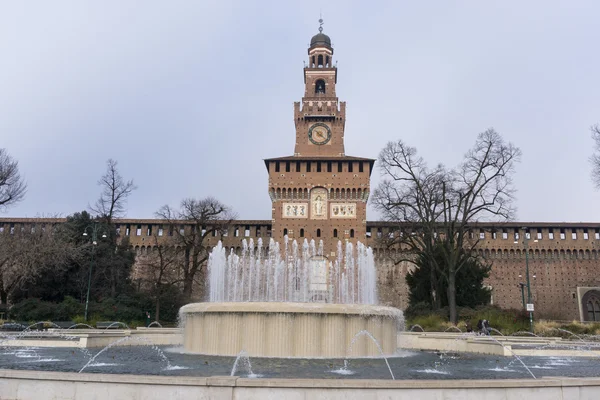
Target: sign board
{"type": "Point", "coordinates": [529, 307]}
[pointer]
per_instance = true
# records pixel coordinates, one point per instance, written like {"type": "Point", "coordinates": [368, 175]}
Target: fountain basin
{"type": "Point", "coordinates": [303, 330]}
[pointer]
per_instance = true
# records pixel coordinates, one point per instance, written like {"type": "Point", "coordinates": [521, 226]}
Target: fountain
{"type": "Point", "coordinates": [290, 302]}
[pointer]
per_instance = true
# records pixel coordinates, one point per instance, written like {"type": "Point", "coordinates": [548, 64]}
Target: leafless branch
{"type": "Point", "coordinates": [12, 186]}
{"type": "Point", "coordinates": [192, 224]}
{"type": "Point", "coordinates": [115, 191]}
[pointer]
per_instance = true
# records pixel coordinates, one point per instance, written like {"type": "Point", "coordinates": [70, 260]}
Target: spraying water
{"type": "Point", "coordinates": [160, 353]}
{"type": "Point", "coordinates": [368, 334]}
{"type": "Point", "coordinates": [242, 360]}
{"type": "Point", "coordinates": [292, 274]}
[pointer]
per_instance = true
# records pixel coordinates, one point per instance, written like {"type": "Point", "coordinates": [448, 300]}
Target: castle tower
{"type": "Point", "coordinates": [319, 192]}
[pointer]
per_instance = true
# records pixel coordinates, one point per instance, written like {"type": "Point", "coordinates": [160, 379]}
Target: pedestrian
{"type": "Point", "coordinates": [468, 326]}
{"type": "Point", "coordinates": [486, 326]}
{"type": "Point", "coordinates": [147, 319]}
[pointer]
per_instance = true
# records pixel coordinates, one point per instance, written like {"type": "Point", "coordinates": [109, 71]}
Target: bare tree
{"type": "Point", "coordinates": [192, 224]}
{"type": "Point", "coordinates": [595, 159]}
{"type": "Point", "coordinates": [439, 206]}
{"type": "Point", "coordinates": [27, 253]}
{"type": "Point", "coordinates": [159, 271]}
{"type": "Point", "coordinates": [115, 191]}
{"type": "Point", "coordinates": [12, 187]}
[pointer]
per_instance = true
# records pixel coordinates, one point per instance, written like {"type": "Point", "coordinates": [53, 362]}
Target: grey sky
{"type": "Point", "coordinates": [189, 96]}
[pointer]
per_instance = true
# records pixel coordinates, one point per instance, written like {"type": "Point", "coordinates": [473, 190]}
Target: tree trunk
{"type": "Point", "coordinates": [3, 292]}
{"type": "Point", "coordinates": [188, 277]}
{"type": "Point", "coordinates": [436, 301]}
{"type": "Point", "coordinates": [452, 296]}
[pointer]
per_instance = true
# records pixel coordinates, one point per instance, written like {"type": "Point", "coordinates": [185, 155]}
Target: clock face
{"type": "Point", "coordinates": [319, 133]}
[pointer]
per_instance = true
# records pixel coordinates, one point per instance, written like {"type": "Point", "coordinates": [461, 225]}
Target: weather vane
{"type": "Point", "coordinates": [320, 23]}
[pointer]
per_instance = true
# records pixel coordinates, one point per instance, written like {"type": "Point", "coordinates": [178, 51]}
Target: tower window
{"type": "Point", "coordinates": [327, 61]}
{"type": "Point", "coordinates": [301, 232]}
{"type": "Point", "coordinates": [339, 166]}
{"type": "Point", "coordinates": [287, 166]}
{"type": "Point", "coordinates": [335, 233]}
{"type": "Point", "coordinates": [318, 232]}
{"type": "Point", "coordinates": [277, 166]}
{"type": "Point", "coordinates": [318, 166]}
{"type": "Point", "coordinates": [320, 61]}
{"type": "Point", "coordinates": [351, 233]}
{"type": "Point", "coordinates": [361, 167]}
{"type": "Point", "coordinates": [350, 169]}
{"type": "Point", "coordinates": [328, 166]}
{"type": "Point", "coordinates": [285, 231]}
{"type": "Point", "coordinates": [308, 166]}
{"type": "Point", "coordinates": [320, 86]}
{"type": "Point", "coordinates": [297, 166]}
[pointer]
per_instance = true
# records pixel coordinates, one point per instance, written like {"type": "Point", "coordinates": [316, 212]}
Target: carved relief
{"type": "Point", "coordinates": [343, 210]}
{"type": "Point", "coordinates": [318, 203]}
{"type": "Point", "coordinates": [295, 210]}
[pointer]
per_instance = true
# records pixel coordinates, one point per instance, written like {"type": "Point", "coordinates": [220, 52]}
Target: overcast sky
{"type": "Point", "coordinates": [190, 96]}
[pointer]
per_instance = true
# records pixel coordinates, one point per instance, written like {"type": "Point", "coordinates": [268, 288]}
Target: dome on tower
{"type": "Point", "coordinates": [320, 39]}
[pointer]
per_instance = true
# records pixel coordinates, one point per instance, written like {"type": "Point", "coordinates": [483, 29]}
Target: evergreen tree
{"type": "Point", "coordinates": [469, 282]}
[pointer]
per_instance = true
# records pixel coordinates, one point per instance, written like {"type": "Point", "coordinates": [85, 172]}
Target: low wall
{"type": "Point", "coordinates": [36, 385]}
{"type": "Point", "coordinates": [498, 345]}
{"type": "Point", "coordinates": [100, 338]}
{"type": "Point", "coordinates": [450, 342]}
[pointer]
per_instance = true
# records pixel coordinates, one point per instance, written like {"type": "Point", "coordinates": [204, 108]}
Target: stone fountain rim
{"type": "Point", "coordinates": [290, 308]}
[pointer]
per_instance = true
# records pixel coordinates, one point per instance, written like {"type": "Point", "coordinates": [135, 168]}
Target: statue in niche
{"type": "Point", "coordinates": [318, 206]}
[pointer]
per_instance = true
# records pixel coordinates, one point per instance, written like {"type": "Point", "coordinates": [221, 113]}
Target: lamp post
{"type": "Point", "coordinates": [527, 281]}
{"type": "Point", "coordinates": [522, 285]}
{"type": "Point", "coordinates": [93, 228]}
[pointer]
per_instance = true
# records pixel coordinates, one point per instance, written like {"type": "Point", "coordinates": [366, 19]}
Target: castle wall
{"type": "Point", "coordinates": [562, 262]}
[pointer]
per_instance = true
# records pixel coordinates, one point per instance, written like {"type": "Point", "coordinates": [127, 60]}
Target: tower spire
{"type": "Point", "coordinates": [320, 23]}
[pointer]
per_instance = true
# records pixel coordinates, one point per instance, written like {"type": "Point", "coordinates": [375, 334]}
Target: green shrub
{"type": "Point", "coordinates": [429, 323]}
{"type": "Point", "coordinates": [416, 310]}
{"type": "Point", "coordinates": [506, 321]}
{"type": "Point", "coordinates": [32, 310]}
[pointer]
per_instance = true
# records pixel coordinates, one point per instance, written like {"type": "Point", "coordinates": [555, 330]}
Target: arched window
{"type": "Point", "coordinates": [591, 303]}
{"type": "Point", "coordinates": [320, 86]}
{"type": "Point", "coordinates": [318, 232]}
{"type": "Point", "coordinates": [351, 233]}
{"type": "Point", "coordinates": [590, 310]}
{"type": "Point", "coordinates": [301, 232]}
{"type": "Point", "coordinates": [284, 231]}
{"type": "Point", "coordinates": [335, 233]}
{"type": "Point", "coordinates": [320, 61]}
{"type": "Point", "coordinates": [313, 61]}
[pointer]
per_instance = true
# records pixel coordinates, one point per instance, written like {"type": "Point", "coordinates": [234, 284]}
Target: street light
{"type": "Point", "coordinates": [522, 285]}
{"type": "Point", "coordinates": [528, 282]}
{"type": "Point", "coordinates": [94, 230]}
